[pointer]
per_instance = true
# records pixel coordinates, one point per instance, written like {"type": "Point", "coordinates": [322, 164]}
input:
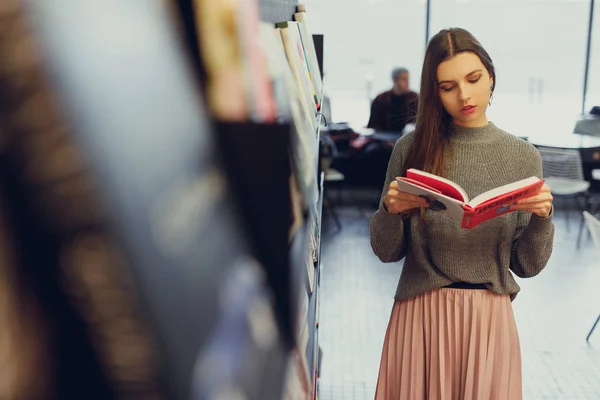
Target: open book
{"type": "Point", "coordinates": [449, 198]}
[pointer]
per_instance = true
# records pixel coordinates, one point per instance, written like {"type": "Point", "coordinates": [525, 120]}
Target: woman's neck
{"type": "Point", "coordinates": [478, 123]}
{"type": "Point", "coordinates": [475, 134]}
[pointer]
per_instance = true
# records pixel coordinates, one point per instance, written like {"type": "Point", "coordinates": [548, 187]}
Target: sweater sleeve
{"type": "Point", "coordinates": [534, 239]}
{"type": "Point", "coordinates": [386, 229]}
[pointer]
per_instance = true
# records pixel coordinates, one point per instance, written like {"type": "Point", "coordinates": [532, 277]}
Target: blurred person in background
{"type": "Point", "coordinates": [393, 109]}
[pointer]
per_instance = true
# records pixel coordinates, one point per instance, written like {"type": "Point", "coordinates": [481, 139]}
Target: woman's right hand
{"type": "Point", "coordinates": [397, 202]}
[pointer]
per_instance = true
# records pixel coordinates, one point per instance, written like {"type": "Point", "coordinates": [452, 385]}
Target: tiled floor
{"type": "Point", "coordinates": [554, 312]}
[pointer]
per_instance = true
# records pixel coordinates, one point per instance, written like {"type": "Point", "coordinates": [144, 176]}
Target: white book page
{"type": "Point", "coordinates": [453, 208]}
{"type": "Point", "coordinates": [464, 194]}
{"type": "Point", "coordinates": [490, 194]}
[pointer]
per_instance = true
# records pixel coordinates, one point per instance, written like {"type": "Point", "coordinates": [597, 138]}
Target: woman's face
{"type": "Point", "coordinates": [465, 88]}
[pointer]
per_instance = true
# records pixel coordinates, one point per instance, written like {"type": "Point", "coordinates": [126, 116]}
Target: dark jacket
{"type": "Point", "coordinates": [386, 119]}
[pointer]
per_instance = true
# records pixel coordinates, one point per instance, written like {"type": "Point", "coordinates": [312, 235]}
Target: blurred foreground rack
{"type": "Point", "coordinates": [162, 205]}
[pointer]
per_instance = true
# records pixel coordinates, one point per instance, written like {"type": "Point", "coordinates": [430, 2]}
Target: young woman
{"type": "Point", "coordinates": [452, 332]}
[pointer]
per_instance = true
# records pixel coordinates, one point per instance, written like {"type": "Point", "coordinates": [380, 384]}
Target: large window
{"type": "Point", "coordinates": [593, 89]}
{"type": "Point", "coordinates": [364, 40]}
{"type": "Point", "coordinates": [538, 48]}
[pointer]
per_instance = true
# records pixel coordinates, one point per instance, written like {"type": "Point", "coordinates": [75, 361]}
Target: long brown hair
{"type": "Point", "coordinates": [432, 132]}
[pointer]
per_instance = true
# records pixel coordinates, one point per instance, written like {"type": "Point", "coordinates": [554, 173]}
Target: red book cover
{"type": "Point", "coordinates": [449, 198]}
{"type": "Point", "coordinates": [498, 205]}
{"type": "Point", "coordinates": [445, 186]}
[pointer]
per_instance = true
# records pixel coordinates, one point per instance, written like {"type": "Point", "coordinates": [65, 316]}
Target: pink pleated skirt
{"type": "Point", "coordinates": [451, 344]}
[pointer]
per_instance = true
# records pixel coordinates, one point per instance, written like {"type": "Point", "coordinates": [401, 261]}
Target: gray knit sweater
{"type": "Point", "coordinates": [437, 250]}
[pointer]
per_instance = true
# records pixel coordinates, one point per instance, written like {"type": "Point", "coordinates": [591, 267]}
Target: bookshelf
{"type": "Point", "coordinates": [204, 291]}
{"type": "Point", "coordinates": [200, 207]}
{"type": "Point", "coordinates": [313, 349]}
{"type": "Point", "coordinates": [256, 158]}
{"type": "Point", "coordinates": [261, 160]}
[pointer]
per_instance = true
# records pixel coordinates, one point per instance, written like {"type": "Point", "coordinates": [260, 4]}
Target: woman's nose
{"type": "Point", "coordinates": [464, 93]}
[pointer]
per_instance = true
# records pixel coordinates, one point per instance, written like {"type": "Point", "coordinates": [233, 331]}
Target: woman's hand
{"type": "Point", "coordinates": [540, 204]}
{"type": "Point", "coordinates": [397, 202]}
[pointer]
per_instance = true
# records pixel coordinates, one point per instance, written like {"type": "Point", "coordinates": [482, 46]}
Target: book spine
{"type": "Point", "coordinates": [467, 221]}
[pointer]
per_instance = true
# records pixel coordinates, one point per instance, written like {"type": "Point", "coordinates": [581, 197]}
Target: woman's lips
{"type": "Point", "coordinates": [468, 109]}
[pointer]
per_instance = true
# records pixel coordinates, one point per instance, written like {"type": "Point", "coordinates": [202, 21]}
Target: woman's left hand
{"type": "Point", "coordinates": [540, 204]}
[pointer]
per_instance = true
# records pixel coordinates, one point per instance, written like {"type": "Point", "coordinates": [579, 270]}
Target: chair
{"type": "Point", "coordinates": [590, 159]}
{"type": "Point", "coordinates": [332, 177]}
{"type": "Point", "coordinates": [588, 124]}
{"type": "Point", "coordinates": [563, 172]}
{"type": "Point", "coordinates": [594, 226]}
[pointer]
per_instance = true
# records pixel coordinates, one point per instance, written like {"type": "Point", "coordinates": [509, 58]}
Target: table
{"type": "Point", "coordinates": [574, 141]}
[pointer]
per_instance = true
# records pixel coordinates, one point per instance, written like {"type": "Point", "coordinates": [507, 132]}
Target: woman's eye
{"type": "Point", "coordinates": [475, 80]}
{"type": "Point", "coordinates": [448, 89]}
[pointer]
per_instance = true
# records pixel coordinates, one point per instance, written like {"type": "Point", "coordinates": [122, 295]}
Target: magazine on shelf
{"type": "Point", "coordinates": [290, 36]}
{"type": "Point", "coordinates": [449, 198]}
{"type": "Point", "coordinates": [307, 39]}
{"type": "Point", "coordinates": [222, 59]}
{"type": "Point", "coordinates": [258, 84]}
